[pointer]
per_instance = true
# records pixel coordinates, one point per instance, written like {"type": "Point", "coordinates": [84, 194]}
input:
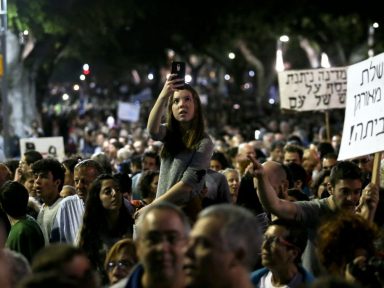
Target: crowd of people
{"type": "Point", "coordinates": [173, 206]}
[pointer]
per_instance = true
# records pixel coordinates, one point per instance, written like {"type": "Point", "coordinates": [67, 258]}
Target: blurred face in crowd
{"type": "Point", "coordinates": [346, 193]}
{"type": "Point", "coordinates": [365, 163]}
{"type": "Point", "coordinates": [215, 165]}
{"type": "Point", "coordinates": [275, 250]}
{"type": "Point", "coordinates": [292, 157]}
{"type": "Point", "coordinates": [233, 179]}
{"type": "Point", "coordinates": [83, 178]}
{"type": "Point", "coordinates": [154, 183]}
{"type": "Point", "coordinates": [110, 196]}
{"type": "Point", "coordinates": [160, 245]}
{"type": "Point", "coordinates": [277, 154]}
{"type": "Point", "coordinates": [29, 185]}
{"type": "Point", "coordinates": [149, 163]}
{"type": "Point", "coordinates": [120, 266]}
{"type": "Point", "coordinates": [328, 163]}
{"type": "Point", "coordinates": [207, 259]}
{"type": "Point", "coordinates": [183, 106]}
{"type": "Point", "coordinates": [46, 187]}
{"type": "Point", "coordinates": [23, 165]}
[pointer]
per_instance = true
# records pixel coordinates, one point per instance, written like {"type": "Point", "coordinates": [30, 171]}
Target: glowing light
{"type": "Point", "coordinates": [271, 101]}
{"type": "Point", "coordinates": [284, 38]}
{"type": "Point", "coordinates": [236, 106]}
{"type": "Point", "coordinates": [251, 73]}
{"type": "Point", "coordinates": [279, 61]}
{"type": "Point", "coordinates": [325, 61]}
{"type": "Point", "coordinates": [227, 77]}
{"type": "Point", "coordinates": [188, 78]}
{"type": "Point", "coordinates": [231, 55]}
{"type": "Point", "coordinates": [82, 77]}
{"type": "Point", "coordinates": [150, 76]}
{"type": "Point", "coordinates": [25, 32]}
{"type": "Point", "coordinates": [65, 97]}
{"type": "Point", "coordinates": [76, 87]}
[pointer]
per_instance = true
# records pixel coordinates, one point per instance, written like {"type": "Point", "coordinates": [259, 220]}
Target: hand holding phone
{"type": "Point", "coordinates": [178, 68]}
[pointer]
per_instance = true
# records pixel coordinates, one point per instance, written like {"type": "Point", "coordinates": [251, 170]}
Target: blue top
{"type": "Point", "coordinates": [258, 274]}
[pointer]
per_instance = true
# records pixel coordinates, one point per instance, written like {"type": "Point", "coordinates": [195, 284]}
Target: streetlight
{"type": "Point", "coordinates": [279, 52]}
{"type": "Point", "coordinates": [371, 38]}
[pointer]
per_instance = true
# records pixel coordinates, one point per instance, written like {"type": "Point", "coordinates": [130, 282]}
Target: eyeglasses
{"type": "Point", "coordinates": [122, 264]}
{"type": "Point", "coordinates": [155, 238]}
{"type": "Point", "coordinates": [277, 240]}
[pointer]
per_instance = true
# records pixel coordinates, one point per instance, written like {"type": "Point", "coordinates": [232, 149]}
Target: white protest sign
{"type": "Point", "coordinates": [363, 131]}
{"type": "Point", "coordinates": [316, 89]}
{"type": "Point", "coordinates": [48, 146]}
{"type": "Point", "coordinates": [128, 111]}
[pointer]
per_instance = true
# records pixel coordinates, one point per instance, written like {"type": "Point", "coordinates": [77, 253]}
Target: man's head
{"type": "Point", "coordinates": [224, 241]}
{"type": "Point", "coordinates": [28, 159]}
{"type": "Point", "coordinates": [345, 185]}
{"type": "Point", "coordinates": [278, 177]}
{"type": "Point", "coordinates": [14, 199]}
{"type": "Point", "coordinates": [162, 232]}
{"type": "Point", "coordinates": [293, 153]}
{"type": "Point", "coordinates": [329, 160]}
{"type": "Point", "coordinates": [283, 244]}
{"type": "Point", "coordinates": [150, 161]}
{"type": "Point", "coordinates": [67, 260]}
{"type": "Point", "coordinates": [49, 179]}
{"type": "Point", "coordinates": [85, 172]}
{"type": "Point", "coordinates": [277, 151]}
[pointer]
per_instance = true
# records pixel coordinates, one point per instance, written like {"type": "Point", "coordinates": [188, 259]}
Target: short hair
{"type": "Point", "coordinates": [277, 144]}
{"type": "Point", "coordinates": [153, 155]}
{"type": "Point", "coordinates": [292, 148]}
{"type": "Point", "coordinates": [55, 257]}
{"type": "Point", "coordinates": [344, 170]}
{"type": "Point", "coordinates": [122, 246]}
{"type": "Point", "coordinates": [103, 160]}
{"type": "Point", "coordinates": [32, 156]}
{"type": "Point", "coordinates": [162, 205]}
{"type": "Point", "coordinates": [89, 163]}
{"type": "Point", "coordinates": [298, 234]}
{"type": "Point", "coordinates": [14, 199]}
{"type": "Point", "coordinates": [230, 170]}
{"type": "Point", "coordinates": [241, 230]}
{"type": "Point", "coordinates": [50, 165]}
{"type": "Point", "coordinates": [18, 264]}
{"type": "Point", "coordinates": [71, 163]}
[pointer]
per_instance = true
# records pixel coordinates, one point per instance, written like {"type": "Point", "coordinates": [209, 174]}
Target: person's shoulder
{"type": "Point", "coordinates": [256, 275]}
{"type": "Point", "coordinates": [121, 284]}
{"type": "Point", "coordinates": [70, 199]}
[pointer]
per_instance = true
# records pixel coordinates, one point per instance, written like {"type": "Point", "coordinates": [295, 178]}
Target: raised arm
{"type": "Point", "coordinates": [267, 194]}
{"type": "Point", "coordinates": [154, 119]}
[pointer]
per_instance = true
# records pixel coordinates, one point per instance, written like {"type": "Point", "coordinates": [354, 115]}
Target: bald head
{"type": "Point", "coordinates": [277, 177]}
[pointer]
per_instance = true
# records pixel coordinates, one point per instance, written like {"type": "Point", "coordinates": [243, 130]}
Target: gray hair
{"type": "Point", "coordinates": [19, 266]}
{"type": "Point", "coordinates": [240, 231]}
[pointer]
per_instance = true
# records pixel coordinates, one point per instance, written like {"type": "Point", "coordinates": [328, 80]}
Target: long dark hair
{"type": "Point", "coordinates": [95, 222]}
{"type": "Point", "coordinates": [176, 139]}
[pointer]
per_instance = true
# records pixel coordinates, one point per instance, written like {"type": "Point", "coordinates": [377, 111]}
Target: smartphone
{"type": "Point", "coordinates": [179, 69]}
